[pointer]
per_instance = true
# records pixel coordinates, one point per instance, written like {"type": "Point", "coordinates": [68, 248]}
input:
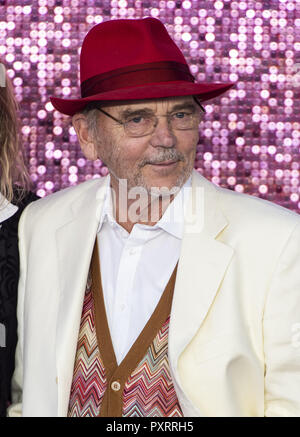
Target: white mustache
{"type": "Point", "coordinates": [170, 157]}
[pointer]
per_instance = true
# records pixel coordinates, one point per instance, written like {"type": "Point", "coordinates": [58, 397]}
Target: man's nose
{"type": "Point", "coordinates": [163, 135]}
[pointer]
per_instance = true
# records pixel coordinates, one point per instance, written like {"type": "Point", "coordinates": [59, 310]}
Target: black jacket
{"type": "Point", "coordinates": [9, 275]}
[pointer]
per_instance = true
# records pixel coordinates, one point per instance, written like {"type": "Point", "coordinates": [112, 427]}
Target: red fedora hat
{"type": "Point", "coordinates": [133, 60]}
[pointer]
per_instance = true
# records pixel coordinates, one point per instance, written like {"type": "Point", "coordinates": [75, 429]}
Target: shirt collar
{"type": "Point", "coordinates": [172, 221]}
{"type": "Point", "coordinates": [7, 209]}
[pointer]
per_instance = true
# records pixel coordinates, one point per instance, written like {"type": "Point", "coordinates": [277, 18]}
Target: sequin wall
{"type": "Point", "coordinates": [249, 140]}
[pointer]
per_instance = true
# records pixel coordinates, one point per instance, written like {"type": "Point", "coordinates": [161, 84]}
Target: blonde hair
{"type": "Point", "coordinates": [12, 166]}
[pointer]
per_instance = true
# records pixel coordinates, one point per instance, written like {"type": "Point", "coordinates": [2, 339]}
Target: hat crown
{"type": "Point", "coordinates": [129, 59]}
{"type": "Point", "coordinates": [116, 44]}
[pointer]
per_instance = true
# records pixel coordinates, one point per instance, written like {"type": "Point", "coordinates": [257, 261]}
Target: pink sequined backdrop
{"type": "Point", "coordinates": [249, 140]}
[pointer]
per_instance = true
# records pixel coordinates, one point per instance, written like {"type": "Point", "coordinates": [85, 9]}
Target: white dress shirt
{"type": "Point", "coordinates": [7, 209]}
{"type": "Point", "coordinates": [136, 267]}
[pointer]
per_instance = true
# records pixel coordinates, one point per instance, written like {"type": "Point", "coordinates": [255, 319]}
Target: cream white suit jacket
{"type": "Point", "coordinates": [234, 336]}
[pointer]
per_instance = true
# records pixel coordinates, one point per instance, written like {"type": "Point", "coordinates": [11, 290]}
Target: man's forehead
{"type": "Point", "coordinates": [152, 104]}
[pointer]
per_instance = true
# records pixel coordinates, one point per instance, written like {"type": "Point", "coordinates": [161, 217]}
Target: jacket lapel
{"type": "Point", "coordinates": [202, 265]}
{"type": "Point", "coordinates": [75, 241]}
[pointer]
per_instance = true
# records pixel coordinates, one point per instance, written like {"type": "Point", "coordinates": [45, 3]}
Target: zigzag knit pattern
{"type": "Point", "coordinates": [89, 382]}
{"type": "Point", "coordinates": [149, 391]}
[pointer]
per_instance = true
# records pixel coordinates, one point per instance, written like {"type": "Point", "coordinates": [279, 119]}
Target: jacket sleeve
{"type": "Point", "coordinates": [16, 408]}
{"type": "Point", "coordinates": [282, 334]}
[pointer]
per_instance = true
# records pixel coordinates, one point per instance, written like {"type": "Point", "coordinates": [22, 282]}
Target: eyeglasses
{"type": "Point", "coordinates": [140, 125]}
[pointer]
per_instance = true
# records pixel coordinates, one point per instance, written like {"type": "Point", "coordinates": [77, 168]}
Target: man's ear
{"type": "Point", "coordinates": [87, 144]}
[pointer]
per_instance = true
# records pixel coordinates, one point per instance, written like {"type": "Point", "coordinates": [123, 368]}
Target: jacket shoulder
{"type": "Point", "coordinates": [248, 213]}
{"type": "Point", "coordinates": [56, 204]}
{"type": "Point", "coordinates": [247, 208]}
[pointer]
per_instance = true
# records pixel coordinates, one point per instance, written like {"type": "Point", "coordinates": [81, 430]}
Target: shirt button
{"type": "Point", "coordinates": [115, 385]}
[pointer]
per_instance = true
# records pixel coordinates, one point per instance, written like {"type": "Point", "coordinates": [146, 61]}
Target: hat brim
{"type": "Point", "coordinates": [203, 91]}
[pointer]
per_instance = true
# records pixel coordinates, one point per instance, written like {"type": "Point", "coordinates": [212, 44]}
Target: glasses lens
{"type": "Point", "coordinates": [139, 126]}
{"type": "Point", "coordinates": [185, 120]}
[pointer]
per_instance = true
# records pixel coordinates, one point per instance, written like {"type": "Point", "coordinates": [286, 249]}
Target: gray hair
{"type": "Point", "coordinates": [92, 115]}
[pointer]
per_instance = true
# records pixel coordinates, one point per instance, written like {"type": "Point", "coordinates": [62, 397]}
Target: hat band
{"type": "Point", "coordinates": [136, 75]}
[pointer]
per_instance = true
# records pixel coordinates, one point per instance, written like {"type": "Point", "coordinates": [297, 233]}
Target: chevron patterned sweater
{"type": "Point", "coordinates": [141, 386]}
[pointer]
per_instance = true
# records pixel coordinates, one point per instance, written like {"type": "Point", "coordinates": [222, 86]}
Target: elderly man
{"type": "Point", "coordinates": [152, 292]}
